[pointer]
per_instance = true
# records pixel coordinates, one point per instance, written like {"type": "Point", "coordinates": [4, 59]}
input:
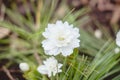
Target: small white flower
{"type": "Point", "coordinates": [60, 38]}
{"type": "Point", "coordinates": [98, 34]}
{"type": "Point", "coordinates": [24, 66]}
{"type": "Point", "coordinates": [118, 39]}
{"type": "Point", "coordinates": [117, 50]}
{"type": "Point", "coordinates": [50, 67]}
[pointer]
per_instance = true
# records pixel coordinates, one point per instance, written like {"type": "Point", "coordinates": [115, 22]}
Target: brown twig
{"type": "Point", "coordinates": [11, 71]}
{"type": "Point", "coordinates": [116, 15]}
{"type": "Point", "coordinates": [37, 58]}
{"type": "Point", "coordinates": [8, 73]}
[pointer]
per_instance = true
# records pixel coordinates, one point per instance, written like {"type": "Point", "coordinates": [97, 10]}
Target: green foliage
{"type": "Point", "coordinates": [32, 74]}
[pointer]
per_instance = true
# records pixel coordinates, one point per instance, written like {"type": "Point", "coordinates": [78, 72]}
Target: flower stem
{"type": "Point", "coordinates": [38, 14]}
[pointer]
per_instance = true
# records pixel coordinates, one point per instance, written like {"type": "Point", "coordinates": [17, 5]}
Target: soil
{"type": "Point", "coordinates": [13, 69]}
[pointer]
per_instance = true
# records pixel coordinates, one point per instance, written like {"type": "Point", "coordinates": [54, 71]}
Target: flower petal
{"type": "Point", "coordinates": [42, 69]}
{"type": "Point", "coordinates": [66, 51]}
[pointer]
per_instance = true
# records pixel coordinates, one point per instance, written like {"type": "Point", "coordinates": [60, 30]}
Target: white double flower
{"type": "Point", "coordinates": [60, 38]}
{"type": "Point", "coordinates": [50, 67]}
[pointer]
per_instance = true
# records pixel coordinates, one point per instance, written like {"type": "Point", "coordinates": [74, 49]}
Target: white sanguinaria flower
{"type": "Point", "coordinates": [50, 67]}
{"type": "Point", "coordinates": [24, 67]}
{"type": "Point", "coordinates": [60, 38]}
{"type": "Point", "coordinates": [118, 39]}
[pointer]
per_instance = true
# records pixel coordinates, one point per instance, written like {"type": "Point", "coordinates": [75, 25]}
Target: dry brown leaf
{"type": "Point", "coordinates": [117, 1]}
{"type": "Point", "coordinates": [104, 5]}
{"type": "Point", "coordinates": [116, 15]}
{"type": "Point", "coordinates": [85, 2]}
{"type": "Point", "coordinates": [4, 32]}
{"type": "Point", "coordinates": [61, 11]}
{"type": "Point", "coordinates": [76, 3]}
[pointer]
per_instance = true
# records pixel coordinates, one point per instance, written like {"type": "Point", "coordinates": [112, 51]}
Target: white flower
{"type": "Point", "coordinates": [51, 66]}
{"type": "Point", "coordinates": [118, 39]}
{"type": "Point", "coordinates": [98, 34]}
{"type": "Point", "coordinates": [24, 66]}
{"type": "Point", "coordinates": [117, 50]}
{"type": "Point", "coordinates": [60, 38]}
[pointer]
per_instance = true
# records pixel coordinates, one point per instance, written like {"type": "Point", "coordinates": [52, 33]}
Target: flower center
{"type": "Point", "coordinates": [53, 67]}
{"type": "Point", "coordinates": [62, 42]}
{"type": "Point", "coordinates": [61, 38]}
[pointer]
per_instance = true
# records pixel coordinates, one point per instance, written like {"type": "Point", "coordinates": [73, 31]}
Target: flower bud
{"type": "Point", "coordinates": [98, 34]}
{"type": "Point", "coordinates": [24, 67]}
{"type": "Point", "coordinates": [117, 50]}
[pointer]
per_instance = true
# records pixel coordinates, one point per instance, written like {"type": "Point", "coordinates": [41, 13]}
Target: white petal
{"type": "Point", "coordinates": [118, 39]}
{"type": "Point", "coordinates": [59, 70]}
{"type": "Point", "coordinates": [118, 42]}
{"type": "Point", "coordinates": [59, 22]}
{"type": "Point", "coordinates": [66, 51]}
{"type": "Point", "coordinates": [54, 52]}
{"type": "Point", "coordinates": [66, 23]}
{"type": "Point", "coordinates": [47, 45]}
{"type": "Point", "coordinates": [60, 65]}
{"type": "Point", "coordinates": [76, 32]}
{"type": "Point", "coordinates": [50, 60]}
{"type": "Point", "coordinates": [49, 74]}
{"type": "Point", "coordinates": [42, 69]}
{"type": "Point", "coordinates": [75, 43]}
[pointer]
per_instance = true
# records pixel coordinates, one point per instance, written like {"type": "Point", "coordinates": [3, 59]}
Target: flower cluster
{"type": "Point", "coordinates": [60, 38]}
